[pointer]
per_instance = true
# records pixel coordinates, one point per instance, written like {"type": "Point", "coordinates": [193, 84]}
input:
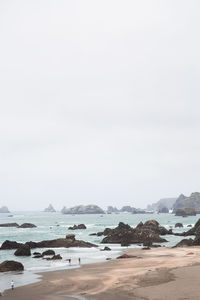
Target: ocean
{"type": "Point", "coordinates": [55, 225]}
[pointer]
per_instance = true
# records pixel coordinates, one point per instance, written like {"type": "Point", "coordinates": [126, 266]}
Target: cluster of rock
{"type": "Point", "coordinates": [24, 225]}
{"type": "Point", "coordinates": [47, 253]}
{"type": "Point", "coordinates": [76, 227]}
{"type": "Point", "coordinates": [83, 209]}
{"type": "Point", "coordinates": [50, 208]}
{"type": "Point", "coordinates": [4, 210]}
{"type": "Point", "coordinates": [146, 233]}
{"type": "Point", "coordinates": [127, 208]}
{"type": "Point", "coordinates": [24, 249]}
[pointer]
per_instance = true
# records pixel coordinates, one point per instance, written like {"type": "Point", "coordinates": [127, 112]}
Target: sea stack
{"type": "Point", "coordinates": [50, 208]}
{"type": "Point", "coordinates": [4, 209]}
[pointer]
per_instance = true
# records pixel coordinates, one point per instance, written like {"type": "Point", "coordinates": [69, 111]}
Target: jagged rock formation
{"type": "Point", "coordinates": [179, 225]}
{"type": "Point", "coordinates": [193, 201]}
{"type": "Point", "coordinates": [50, 208]}
{"type": "Point", "coordinates": [127, 208]}
{"type": "Point", "coordinates": [57, 243]}
{"type": "Point", "coordinates": [4, 209]}
{"type": "Point", "coordinates": [76, 227]}
{"type": "Point", "coordinates": [125, 235]}
{"type": "Point", "coordinates": [83, 209]}
{"type": "Point", "coordinates": [193, 231]}
{"type": "Point", "coordinates": [11, 265]}
{"type": "Point", "coordinates": [167, 202]}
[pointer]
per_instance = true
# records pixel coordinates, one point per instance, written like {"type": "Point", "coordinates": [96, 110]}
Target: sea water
{"type": "Point", "coordinates": [55, 225]}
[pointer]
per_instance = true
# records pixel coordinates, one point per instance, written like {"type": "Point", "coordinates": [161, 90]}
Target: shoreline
{"type": "Point", "coordinates": [116, 279]}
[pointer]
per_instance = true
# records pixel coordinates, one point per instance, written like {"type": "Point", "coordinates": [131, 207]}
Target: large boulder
{"type": "Point", "coordinates": [23, 251]}
{"type": "Point", "coordinates": [185, 243]}
{"type": "Point", "coordinates": [11, 265]}
{"type": "Point", "coordinates": [8, 245]}
{"type": "Point", "coordinates": [76, 227]}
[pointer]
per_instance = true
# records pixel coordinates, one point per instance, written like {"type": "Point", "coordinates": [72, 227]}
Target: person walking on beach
{"type": "Point", "coordinates": [79, 261]}
{"type": "Point", "coordinates": [70, 261]}
{"type": "Point", "coordinates": [12, 285]}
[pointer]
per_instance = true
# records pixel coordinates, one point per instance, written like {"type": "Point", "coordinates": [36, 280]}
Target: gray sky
{"type": "Point", "coordinates": [99, 102]}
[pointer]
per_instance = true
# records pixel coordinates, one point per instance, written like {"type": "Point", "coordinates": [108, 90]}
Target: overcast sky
{"type": "Point", "coordinates": [100, 102]}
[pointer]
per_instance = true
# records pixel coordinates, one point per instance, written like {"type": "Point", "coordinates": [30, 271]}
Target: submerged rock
{"type": "Point", "coordinates": [179, 225]}
{"type": "Point", "coordinates": [126, 256]}
{"type": "Point", "coordinates": [11, 265]}
{"type": "Point", "coordinates": [48, 252]}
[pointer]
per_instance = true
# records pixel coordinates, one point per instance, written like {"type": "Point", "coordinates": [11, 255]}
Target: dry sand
{"type": "Point", "coordinates": [156, 274]}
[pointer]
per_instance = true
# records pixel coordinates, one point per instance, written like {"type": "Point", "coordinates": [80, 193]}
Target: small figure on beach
{"type": "Point", "coordinates": [70, 261]}
{"type": "Point", "coordinates": [79, 261]}
{"type": "Point", "coordinates": [12, 285]}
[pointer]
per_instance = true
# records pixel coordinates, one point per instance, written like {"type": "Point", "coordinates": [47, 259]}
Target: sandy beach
{"type": "Point", "coordinates": [156, 274]}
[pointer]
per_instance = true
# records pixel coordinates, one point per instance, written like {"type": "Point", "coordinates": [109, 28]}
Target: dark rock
{"type": "Point", "coordinates": [106, 249]}
{"type": "Point", "coordinates": [146, 248]}
{"type": "Point", "coordinates": [37, 253]}
{"type": "Point", "coordinates": [163, 210]}
{"type": "Point", "coordinates": [9, 225]}
{"type": "Point", "coordinates": [8, 245]}
{"type": "Point", "coordinates": [179, 225]}
{"type": "Point", "coordinates": [185, 243]}
{"type": "Point", "coordinates": [48, 252]}
{"type": "Point", "coordinates": [57, 243]}
{"type": "Point", "coordinates": [27, 225]}
{"type": "Point", "coordinates": [189, 225]}
{"type": "Point", "coordinates": [125, 235]}
{"type": "Point", "coordinates": [11, 265]}
{"type": "Point", "coordinates": [24, 250]}
{"type": "Point", "coordinates": [76, 227]}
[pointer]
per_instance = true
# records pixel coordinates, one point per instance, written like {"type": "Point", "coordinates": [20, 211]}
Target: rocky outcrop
{"type": "Point", "coordinates": [27, 225]}
{"type": "Point", "coordinates": [76, 227]}
{"type": "Point", "coordinates": [55, 257]}
{"type": "Point", "coordinates": [111, 209]}
{"type": "Point", "coordinates": [106, 249]}
{"type": "Point", "coordinates": [48, 252]}
{"type": "Point", "coordinates": [178, 225]}
{"type": "Point", "coordinates": [186, 211]}
{"type": "Point", "coordinates": [125, 235]}
{"type": "Point", "coordinates": [57, 243]}
{"type": "Point", "coordinates": [4, 210]}
{"type": "Point", "coordinates": [11, 265]}
{"type": "Point", "coordinates": [82, 209]}
{"type": "Point", "coordinates": [50, 208]}
{"type": "Point", "coordinates": [182, 202]}
{"type": "Point", "coordinates": [24, 250]}
{"type": "Point", "coordinates": [167, 202]}
{"type": "Point", "coordinates": [185, 243]}
{"type": "Point", "coordinates": [126, 256]}
{"type": "Point", "coordinates": [9, 225]}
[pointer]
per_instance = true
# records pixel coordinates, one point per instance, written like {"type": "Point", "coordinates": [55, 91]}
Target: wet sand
{"type": "Point", "coordinates": [156, 274]}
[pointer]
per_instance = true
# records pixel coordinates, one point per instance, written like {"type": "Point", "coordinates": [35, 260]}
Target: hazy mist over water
{"type": "Point", "coordinates": [99, 102]}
